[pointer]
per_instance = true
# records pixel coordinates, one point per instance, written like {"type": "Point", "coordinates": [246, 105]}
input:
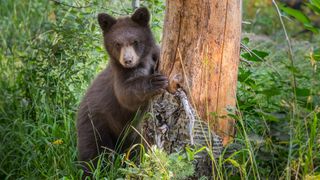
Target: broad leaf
{"type": "Point", "coordinates": [296, 14]}
{"type": "Point", "coordinates": [255, 55]}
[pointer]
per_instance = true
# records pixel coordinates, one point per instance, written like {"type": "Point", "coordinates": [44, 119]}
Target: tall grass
{"type": "Point", "coordinates": [50, 52]}
{"type": "Point", "coordinates": [47, 61]}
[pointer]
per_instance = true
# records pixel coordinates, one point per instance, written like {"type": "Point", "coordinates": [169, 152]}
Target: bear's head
{"type": "Point", "coordinates": [127, 39]}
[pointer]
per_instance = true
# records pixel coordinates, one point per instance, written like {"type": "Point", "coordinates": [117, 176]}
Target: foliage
{"type": "Point", "coordinates": [50, 51]}
{"type": "Point", "coordinates": [157, 164]}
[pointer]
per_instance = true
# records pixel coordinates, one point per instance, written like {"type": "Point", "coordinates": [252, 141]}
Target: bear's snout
{"type": "Point", "coordinates": [128, 57]}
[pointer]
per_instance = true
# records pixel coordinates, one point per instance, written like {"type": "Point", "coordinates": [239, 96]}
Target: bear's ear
{"type": "Point", "coordinates": [141, 16]}
{"type": "Point", "coordinates": [106, 21]}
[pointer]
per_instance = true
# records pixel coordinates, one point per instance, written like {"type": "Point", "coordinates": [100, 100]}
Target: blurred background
{"type": "Point", "coordinates": [51, 50]}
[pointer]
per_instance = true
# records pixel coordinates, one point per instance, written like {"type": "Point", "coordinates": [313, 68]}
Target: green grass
{"type": "Point", "coordinates": [50, 52]}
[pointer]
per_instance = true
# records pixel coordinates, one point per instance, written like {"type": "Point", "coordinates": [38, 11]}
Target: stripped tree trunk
{"type": "Point", "coordinates": [200, 52]}
{"type": "Point", "coordinates": [200, 55]}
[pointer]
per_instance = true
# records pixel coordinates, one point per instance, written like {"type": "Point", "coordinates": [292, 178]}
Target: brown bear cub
{"type": "Point", "coordinates": [123, 88]}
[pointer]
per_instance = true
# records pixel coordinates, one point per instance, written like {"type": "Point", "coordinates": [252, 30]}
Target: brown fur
{"type": "Point", "coordinates": [118, 92]}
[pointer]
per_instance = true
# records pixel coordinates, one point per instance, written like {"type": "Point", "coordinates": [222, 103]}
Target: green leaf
{"type": "Point", "coordinates": [292, 69]}
{"type": "Point", "coordinates": [303, 92]}
{"type": "Point", "coordinates": [190, 154]}
{"type": "Point", "coordinates": [234, 163]}
{"type": "Point", "coordinates": [311, 27]}
{"type": "Point", "coordinates": [244, 75]}
{"type": "Point", "coordinates": [273, 91]}
{"type": "Point", "coordinates": [296, 14]}
{"type": "Point", "coordinates": [255, 55]}
{"type": "Point", "coordinates": [268, 116]}
{"type": "Point", "coordinates": [314, 8]}
{"type": "Point", "coordinates": [316, 54]}
{"type": "Point", "coordinates": [245, 40]}
{"type": "Point", "coordinates": [301, 17]}
{"type": "Point", "coordinates": [315, 3]}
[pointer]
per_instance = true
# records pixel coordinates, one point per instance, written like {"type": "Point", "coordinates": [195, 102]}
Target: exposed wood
{"type": "Point", "coordinates": [200, 53]}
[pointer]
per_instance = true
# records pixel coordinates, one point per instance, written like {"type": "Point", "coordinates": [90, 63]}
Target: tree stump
{"type": "Point", "coordinates": [200, 55]}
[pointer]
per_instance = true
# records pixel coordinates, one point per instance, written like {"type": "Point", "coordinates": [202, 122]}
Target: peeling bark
{"type": "Point", "coordinates": [200, 55]}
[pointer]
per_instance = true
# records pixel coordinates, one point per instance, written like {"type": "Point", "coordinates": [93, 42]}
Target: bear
{"type": "Point", "coordinates": [123, 89]}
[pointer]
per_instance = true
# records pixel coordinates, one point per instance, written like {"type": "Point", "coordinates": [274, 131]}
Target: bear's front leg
{"type": "Point", "coordinates": [136, 92]}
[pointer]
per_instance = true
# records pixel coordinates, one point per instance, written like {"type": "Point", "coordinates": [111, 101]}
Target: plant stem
{"type": "Point", "coordinates": [294, 87]}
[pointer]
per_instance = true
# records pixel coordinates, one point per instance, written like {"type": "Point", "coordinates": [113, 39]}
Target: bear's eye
{"type": "Point", "coordinates": [118, 45]}
{"type": "Point", "coordinates": [136, 43]}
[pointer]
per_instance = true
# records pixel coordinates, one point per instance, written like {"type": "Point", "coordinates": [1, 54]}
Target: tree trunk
{"type": "Point", "coordinates": [200, 53]}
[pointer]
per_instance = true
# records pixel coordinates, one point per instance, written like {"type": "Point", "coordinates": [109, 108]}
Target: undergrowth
{"type": "Point", "coordinates": [51, 51]}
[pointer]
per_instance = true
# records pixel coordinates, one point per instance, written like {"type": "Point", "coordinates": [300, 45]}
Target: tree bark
{"type": "Point", "coordinates": [200, 54]}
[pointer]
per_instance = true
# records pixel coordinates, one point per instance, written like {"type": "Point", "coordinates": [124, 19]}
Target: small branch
{"type": "Point", "coordinates": [246, 61]}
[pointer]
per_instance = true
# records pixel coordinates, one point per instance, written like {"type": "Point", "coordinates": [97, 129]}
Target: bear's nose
{"type": "Point", "coordinates": [128, 60]}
